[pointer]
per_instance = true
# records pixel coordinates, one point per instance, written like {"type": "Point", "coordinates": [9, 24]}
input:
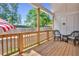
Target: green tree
{"type": "Point", "coordinates": [13, 16]}
{"type": "Point", "coordinates": [4, 10]}
{"type": "Point", "coordinates": [31, 18]}
{"type": "Point", "coordinates": [9, 12]}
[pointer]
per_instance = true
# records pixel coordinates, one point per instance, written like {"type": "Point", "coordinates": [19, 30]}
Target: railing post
{"type": "Point", "coordinates": [38, 38]}
{"type": "Point", "coordinates": [38, 26]}
{"type": "Point", "coordinates": [20, 42]}
{"type": "Point", "coordinates": [47, 35]}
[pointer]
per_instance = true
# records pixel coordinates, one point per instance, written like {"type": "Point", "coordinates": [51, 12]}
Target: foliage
{"type": "Point", "coordinates": [9, 12]}
{"type": "Point", "coordinates": [31, 19]}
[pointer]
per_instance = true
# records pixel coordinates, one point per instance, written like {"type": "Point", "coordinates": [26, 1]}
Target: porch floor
{"type": "Point", "coordinates": [55, 48]}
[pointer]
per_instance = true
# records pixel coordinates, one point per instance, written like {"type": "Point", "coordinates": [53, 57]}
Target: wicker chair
{"type": "Point", "coordinates": [57, 35]}
{"type": "Point", "coordinates": [74, 36]}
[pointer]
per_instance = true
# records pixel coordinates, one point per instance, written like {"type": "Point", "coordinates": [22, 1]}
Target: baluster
{"type": "Point", "coordinates": [47, 35]}
{"type": "Point", "coordinates": [2, 47]}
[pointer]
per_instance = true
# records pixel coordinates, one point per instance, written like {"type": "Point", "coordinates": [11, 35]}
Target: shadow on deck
{"type": "Point", "coordinates": [54, 48]}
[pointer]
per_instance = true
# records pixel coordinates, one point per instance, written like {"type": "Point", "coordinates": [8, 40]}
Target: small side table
{"type": "Point", "coordinates": [65, 38]}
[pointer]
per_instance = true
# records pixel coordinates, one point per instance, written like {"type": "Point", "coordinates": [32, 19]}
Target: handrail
{"type": "Point", "coordinates": [24, 32]}
{"type": "Point", "coordinates": [17, 42]}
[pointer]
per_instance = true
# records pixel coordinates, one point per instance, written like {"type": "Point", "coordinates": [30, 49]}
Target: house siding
{"type": "Point", "coordinates": [68, 14]}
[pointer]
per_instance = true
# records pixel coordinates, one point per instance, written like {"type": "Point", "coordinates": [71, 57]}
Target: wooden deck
{"type": "Point", "coordinates": [55, 48]}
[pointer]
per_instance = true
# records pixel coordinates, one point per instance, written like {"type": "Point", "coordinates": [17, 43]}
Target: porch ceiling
{"type": "Point", "coordinates": [65, 7]}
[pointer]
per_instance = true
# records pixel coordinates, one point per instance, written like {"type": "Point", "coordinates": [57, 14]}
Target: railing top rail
{"type": "Point", "coordinates": [22, 33]}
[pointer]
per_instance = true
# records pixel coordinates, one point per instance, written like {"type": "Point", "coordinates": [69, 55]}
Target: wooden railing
{"type": "Point", "coordinates": [17, 42]}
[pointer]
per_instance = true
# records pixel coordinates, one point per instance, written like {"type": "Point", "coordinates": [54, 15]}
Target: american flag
{"type": "Point", "coordinates": [6, 26]}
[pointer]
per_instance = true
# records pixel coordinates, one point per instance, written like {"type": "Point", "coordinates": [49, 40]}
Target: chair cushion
{"type": "Point", "coordinates": [71, 37]}
{"type": "Point", "coordinates": [57, 35]}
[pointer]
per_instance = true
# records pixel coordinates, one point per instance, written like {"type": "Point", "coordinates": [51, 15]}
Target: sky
{"type": "Point", "coordinates": [47, 5]}
{"type": "Point", "coordinates": [23, 9]}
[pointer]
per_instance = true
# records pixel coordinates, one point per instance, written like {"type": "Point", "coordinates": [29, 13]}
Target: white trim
{"type": "Point", "coordinates": [38, 5]}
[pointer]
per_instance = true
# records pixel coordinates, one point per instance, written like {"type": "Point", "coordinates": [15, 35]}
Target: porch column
{"type": "Point", "coordinates": [20, 43]}
{"type": "Point", "coordinates": [38, 25]}
{"type": "Point", "coordinates": [53, 18]}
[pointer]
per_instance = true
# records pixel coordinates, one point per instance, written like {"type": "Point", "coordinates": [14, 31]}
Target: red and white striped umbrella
{"type": "Point", "coordinates": [6, 26]}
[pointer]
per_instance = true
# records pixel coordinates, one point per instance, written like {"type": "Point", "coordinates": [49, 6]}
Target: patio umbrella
{"type": "Point", "coordinates": [5, 26]}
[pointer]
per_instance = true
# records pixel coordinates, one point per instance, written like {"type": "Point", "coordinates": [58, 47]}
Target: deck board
{"type": "Point", "coordinates": [63, 50]}
{"type": "Point", "coordinates": [60, 50]}
{"type": "Point", "coordinates": [54, 52]}
{"type": "Point", "coordinates": [57, 48]}
{"type": "Point", "coordinates": [70, 50]}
